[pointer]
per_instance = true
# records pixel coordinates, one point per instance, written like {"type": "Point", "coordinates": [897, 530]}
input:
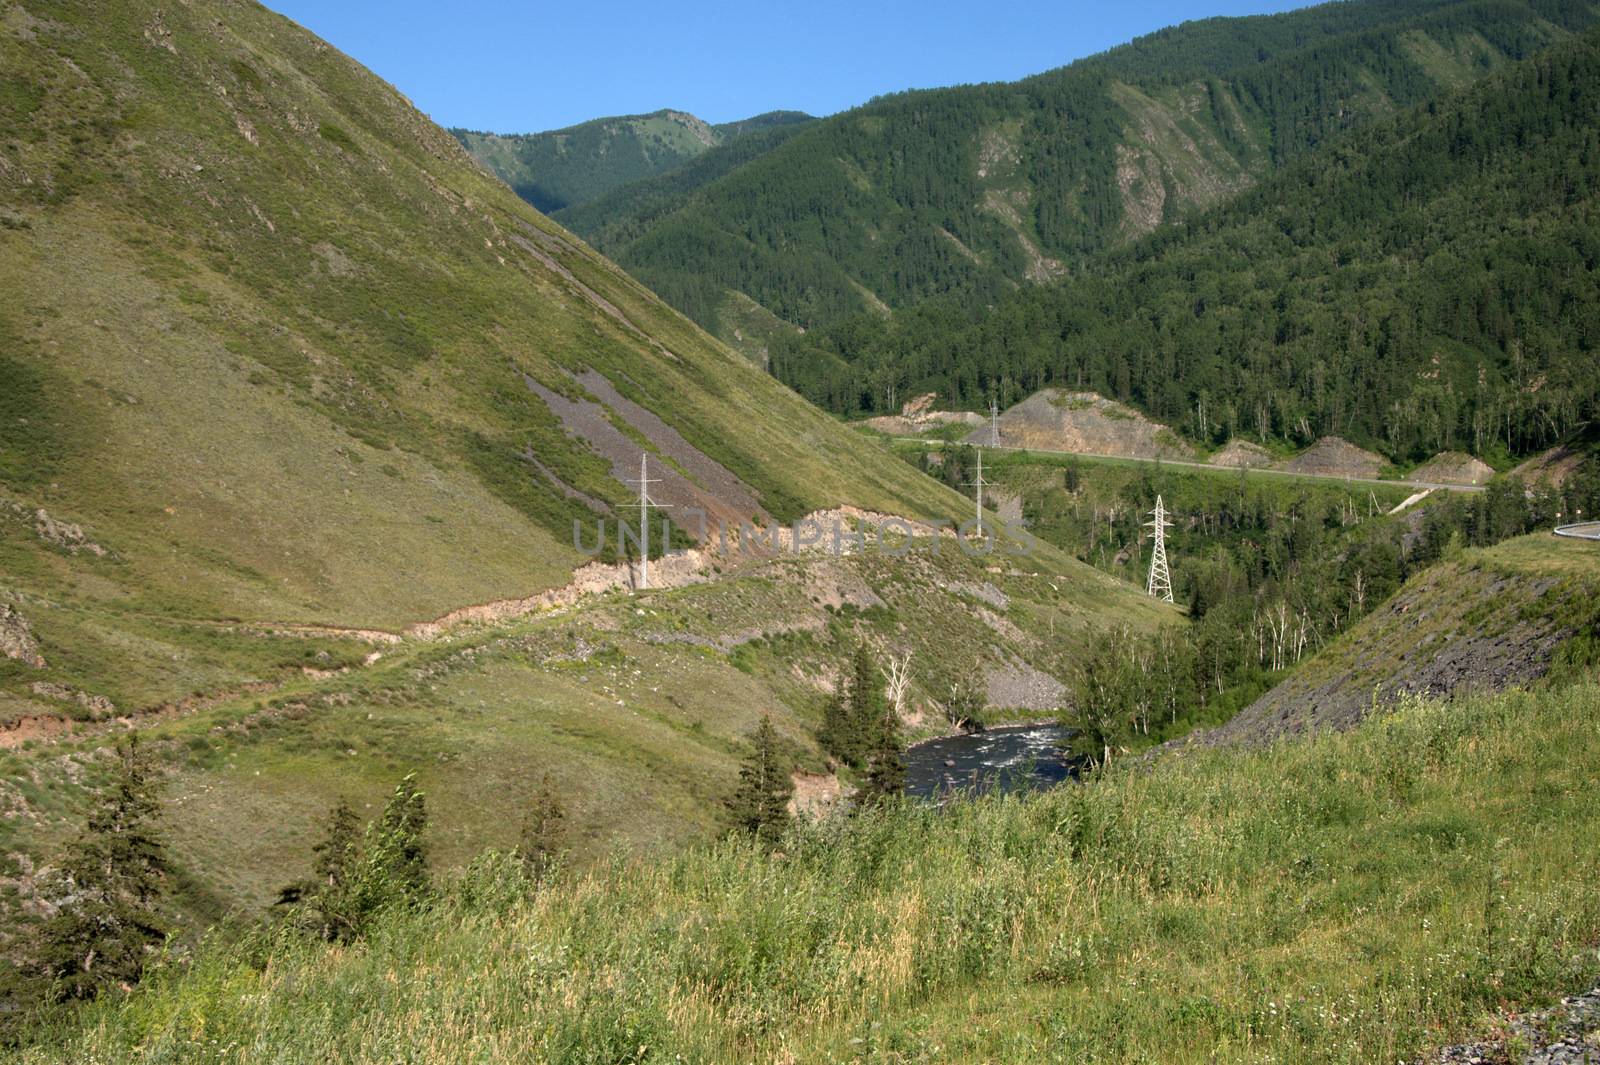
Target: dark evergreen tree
{"type": "Point", "coordinates": [838, 732]}
{"type": "Point", "coordinates": [325, 902]}
{"type": "Point", "coordinates": [850, 719]}
{"type": "Point", "coordinates": [886, 767]}
{"type": "Point", "coordinates": [107, 924]}
{"type": "Point", "coordinates": [396, 867]}
{"type": "Point", "coordinates": [760, 804]}
{"type": "Point", "coordinates": [338, 856]}
{"type": "Point", "coordinates": [868, 702]}
{"type": "Point", "coordinates": [543, 830]}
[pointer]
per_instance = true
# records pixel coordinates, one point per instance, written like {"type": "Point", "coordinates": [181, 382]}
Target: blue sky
{"type": "Point", "coordinates": [513, 66]}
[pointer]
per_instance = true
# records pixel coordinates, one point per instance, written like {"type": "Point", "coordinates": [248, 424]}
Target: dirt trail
{"type": "Point", "coordinates": [47, 728]}
{"type": "Point", "coordinates": [693, 566]}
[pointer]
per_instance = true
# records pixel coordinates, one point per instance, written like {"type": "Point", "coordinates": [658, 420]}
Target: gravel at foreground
{"type": "Point", "coordinates": [1568, 1034]}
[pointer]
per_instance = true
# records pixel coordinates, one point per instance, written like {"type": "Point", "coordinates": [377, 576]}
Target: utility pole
{"type": "Point", "coordinates": [645, 503]}
{"type": "Point", "coordinates": [978, 484]}
{"type": "Point", "coordinates": [1160, 583]}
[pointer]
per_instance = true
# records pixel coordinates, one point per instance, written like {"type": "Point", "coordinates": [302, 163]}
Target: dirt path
{"type": "Point", "coordinates": [692, 566]}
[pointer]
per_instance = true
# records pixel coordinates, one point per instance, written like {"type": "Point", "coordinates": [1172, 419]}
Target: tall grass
{"type": "Point", "coordinates": [1351, 898]}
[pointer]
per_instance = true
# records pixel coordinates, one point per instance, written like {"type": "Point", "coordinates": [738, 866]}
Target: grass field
{"type": "Point", "coordinates": [1355, 898]}
{"type": "Point", "coordinates": [637, 705]}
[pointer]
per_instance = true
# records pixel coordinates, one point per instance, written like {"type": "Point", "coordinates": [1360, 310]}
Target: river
{"type": "Point", "coordinates": [1009, 758]}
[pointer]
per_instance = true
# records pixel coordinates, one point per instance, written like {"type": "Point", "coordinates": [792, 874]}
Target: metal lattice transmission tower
{"type": "Point", "coordinates": [645, 503]}
{"type": "Point", "coordinates": [1160, 583]}
{"type": "Point", "coordinates": [978, 482]}
{"type": "Point", "coordinates": [994, 423]}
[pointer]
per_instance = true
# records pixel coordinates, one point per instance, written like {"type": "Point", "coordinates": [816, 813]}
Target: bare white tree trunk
{"type": "Point", "coordinates": [899, 677]}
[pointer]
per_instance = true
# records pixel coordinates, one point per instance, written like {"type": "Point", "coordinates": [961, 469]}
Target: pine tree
{"type": "Point", "coordinates": [325, 902]}
{"type": "Point", "coordinates": [867, 705]}
{"type": "Point", "coordinates": [838, 736]}
{"type": "Point", "coordinates": [760, 805]}
{"type": "Point", "coordinates": [396, 867]}
{"type": "Point", "coordinates": [340, 850]}
{"type": "Point", "coordinates": [356, 875]}
{"type": "Point", "coordinates": [543, 831]}
{"type": "Point", "coordinates": [886, 768]}
{"type": "Point", "coordinates": [107, 925]}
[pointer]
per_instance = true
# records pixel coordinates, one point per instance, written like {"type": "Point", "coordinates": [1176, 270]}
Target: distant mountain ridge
{"type": "Point", "coordinates": [971, 191]}
{"type": "Point", "coordinates": [568, 167]}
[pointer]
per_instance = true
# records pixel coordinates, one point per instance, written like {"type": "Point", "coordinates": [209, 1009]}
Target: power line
{"type": "Point", "coordinates": [978, 484]}
{"type": "Point", "coordinates": [645, 503]}
{"type": "Point", "coordinates": [1160, 583]}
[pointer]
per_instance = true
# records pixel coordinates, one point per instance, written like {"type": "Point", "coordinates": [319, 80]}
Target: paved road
{"type": "Point", "coordinates": [1416, 485]}
{"type": "Point", "coordinates": [1588, 530]}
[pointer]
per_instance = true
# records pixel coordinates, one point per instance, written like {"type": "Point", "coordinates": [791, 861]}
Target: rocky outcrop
{"type": "Point", "coordinates": [1085, 423]}
{"type": "Point", "coordinates": [98, 706]}
{"type": "Point", "coordinates": [1019, 686]}
{"type": "Point", "coordinates": [16, 639]}
{"type": "Point", "coordinates": [1460, 628]}
{"type": "Point", "coordinates": [1453, 467]}
{"type": "Point", "coordinates": [1242, 454]}
{"type": "Point", "coordinates": [1333, 457]}
{"type": "Point", "coordinates": [65, 535]}
{"type": "Point", "coordinates": [918, 416]}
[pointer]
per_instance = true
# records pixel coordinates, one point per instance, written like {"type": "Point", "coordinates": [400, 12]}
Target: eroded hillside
{"type": "Point", "coordinates": [1490, 619]}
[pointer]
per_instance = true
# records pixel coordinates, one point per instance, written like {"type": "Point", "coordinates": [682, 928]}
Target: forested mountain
{"type": "Point", "coordinates": [1427, 283]}
{"type": "Point", "coordinates": [569, 167]}
{"type": "Point", "coordinates": [973, 191]}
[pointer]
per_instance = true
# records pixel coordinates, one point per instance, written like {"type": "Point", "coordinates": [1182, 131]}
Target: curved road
{"type": "Point", "coordinates": [939, 444]}
{"type": "Point", "coordinates": [1587, 530]}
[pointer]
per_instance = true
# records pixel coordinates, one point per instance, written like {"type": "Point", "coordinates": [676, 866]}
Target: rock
{"type": "Point", "coordinates": [1453, 467]}
{"type": "Point", "coordinates": [16, 639]}
{"type": "Point", "coordinates": [1333, 457]}
{"type": "Point", "coordinates": [65, 535]}
{"type": "Point", "coordinates": [1019, 685]}
{"type": "Point", "coordinates": [1242, 454]}
{"type": "Point", "coordinates": [1565, 1034]}
{"type": "Point", "coordinates": [1083, 422]}
{"type": "Point", "coordinates": [97, 705]}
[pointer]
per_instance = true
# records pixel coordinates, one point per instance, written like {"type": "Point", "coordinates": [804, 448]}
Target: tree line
{"type": "Point", "coordinates": [1267, 587]}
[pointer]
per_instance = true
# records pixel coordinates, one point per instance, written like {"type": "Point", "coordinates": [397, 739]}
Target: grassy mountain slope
{"type": "Point", "coordinates": [1486, 620]}
{"type": "Point", "coordinates": [569, 167]}
{"type": "Point", "coordinates": [282, 353]}
{"type": "Point", "coordinates": [976, 189]}
{"type": "Point", "coordinates": [637, 705]}
{"type": "Point", "coordinates": [1426, 284]}
{"type": "Point", "coordinates": [1357, 898]}
{"type": "Point", "coordinates": [283, 373]}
